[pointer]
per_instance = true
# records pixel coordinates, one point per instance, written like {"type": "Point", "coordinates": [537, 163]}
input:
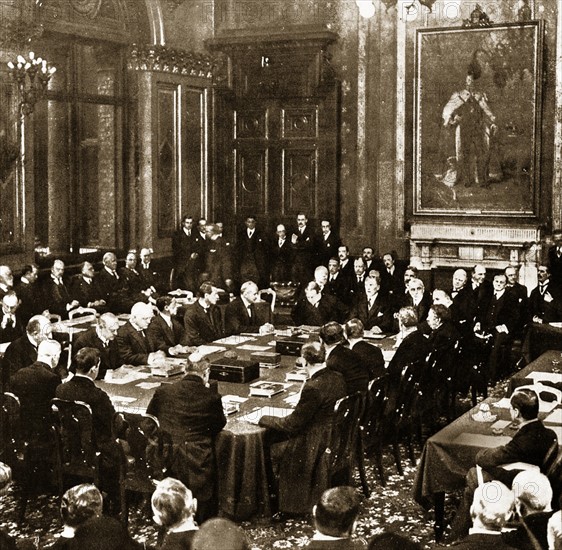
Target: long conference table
{"type": "Point", "coordinates": [450, 453]}
{"type": "Point", "coordinates": [242, 473]}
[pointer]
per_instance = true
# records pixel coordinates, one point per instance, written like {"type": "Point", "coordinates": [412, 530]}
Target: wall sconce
{"type": "Point", "coordinates": [32, 77]}
{"type": "Point", "coordinates": [366, 8]}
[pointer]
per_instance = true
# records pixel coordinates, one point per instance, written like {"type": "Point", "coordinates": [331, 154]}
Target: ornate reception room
{"type": "Point", "coordinates": [329, 232]}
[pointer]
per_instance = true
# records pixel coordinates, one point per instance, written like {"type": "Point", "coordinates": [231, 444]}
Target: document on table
{"type": "Point", "coordinates": [207, 350]}
{"type": "Point", "coordinates": [293, 399]}
{"type": "Point", "coordinates": [148, 385]}
{"type": "Point", "coordinates": [555, 417]}
{"type": "Point", "coordinates": [234, 398]}
{"type": "Point", "coordinates": [234, 340]}
{"type": "Point", "coordinates": [250, 347]}
{"type": "Point", "coordinates": [254, 416]}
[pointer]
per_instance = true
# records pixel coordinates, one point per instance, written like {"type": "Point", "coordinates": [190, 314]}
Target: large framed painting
{"type": "Point", "coordinates": [477, 120]}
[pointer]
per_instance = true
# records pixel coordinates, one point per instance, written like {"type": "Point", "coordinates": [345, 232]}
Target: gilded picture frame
{"type": "Point", "coordinates": [477, 120]}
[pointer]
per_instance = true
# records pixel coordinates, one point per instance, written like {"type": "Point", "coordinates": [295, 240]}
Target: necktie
{"type": "Point", "coordinates": [141, 332]}
{"type": "Point", "coordinates": [189, 232]}
{"type": "Point", "coordinates": [115, 274]}
{"type": "Point", "coordinates": [497, 295]}
{"type": "Point", "coordinates": [249, 308]}
{"type": "Point", "coordinates": [371, 303]}
{"type": "Point", "coordinates": [542, 289]}
{"type": "Point", "coordinates": [454, 293]}
{"type": "Point", "coordinates": [359, 280]}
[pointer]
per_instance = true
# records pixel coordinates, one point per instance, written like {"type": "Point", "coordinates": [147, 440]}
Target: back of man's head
{"type": "Point", "coordinates": [197, 364]}
{"type": "Point", "coordinates": [220, 533]}
{"type": "Point", "coordinates": [526, 402]}
{"type": "Point", "coordinates": [313, 353]}
{"type": "Point", "coordinates": [85, 359]}
{"type": "Point", "coordinates": [336, 512]}
{"type": "Point", "coordinates": [492, 505]}
{"type": "Point", "coordinates": [408, 316]}
{"type": "Point", "coordinates": [331, 333]}
{"type": "Point", "coordinates": [354, 328]}
{"type": "Point", "coordinates": [533, 492]}
{"type": "Point", "coordinates": [205, 288]}
{"type": "Point", "coordinates": [163, 301]}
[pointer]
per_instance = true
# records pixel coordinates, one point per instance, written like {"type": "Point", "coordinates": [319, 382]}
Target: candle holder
{"type": "Point", "coordinates": [32, 76]}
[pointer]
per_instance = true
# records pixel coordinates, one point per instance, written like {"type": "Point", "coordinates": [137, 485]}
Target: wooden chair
{"type": "Point", "coordinates": [286, 293]}
{"type": "Point", "coordinates": [147, 456]}
{"type": "Point", "coordinates": [344, 442]}
{"type": "Point", "coordinates": [372, 427]}
{"type": "Point", "coordinates": [26, 457]}
{"type": "Point", "coordinates": [77, 452]}
{"type": "Point", "coordinates": [81, 312]}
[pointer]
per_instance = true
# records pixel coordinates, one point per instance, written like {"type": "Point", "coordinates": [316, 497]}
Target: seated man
{"type": "Point", "coordinates": [29, 293]}
{"type": "Point", "coordinates": [530, 444]}
{"type": "Point", "coordinates": [443, 334]}
{"type": "Point", "coordinates": [35, 386]}
{"type": "Point", "coordinates": [133, 280]}
{"type": "Point", "coordinates": [84, 288]}
{"type": "Point", "coordinates": [242, 314]}
{"type": "Point", "coordinates": [165, 333]}
{"type": "Point", "coordinates": [303, 475]}
{"type": "Point", "coordinates": [533, 497]}
{"type": "Point", "coordinates": [81, 387]}
{"type": "Point", "coordinates": [314, 308]}
{"type": "Point", "coordinates": [335, 519]}
{"type": "Point", "coordinates": [413, 346]}
{"type": "Point", "coordinates": [132, 341]}
{"type": "Point", "coordinates": [101, 337]}
{"type": "Point", "coordinates": [418, 298]}
{"type": "Point", "coordinates": [10, 322]}
{"type": "Point", "coordinates": [490, 511]}
{"type": "Point", "coordinates": [192, 414]}
{"type": "Point", "coordinates": [343, 360]}
{"type": "Point", "coordinates": [202, 320]}
{"type": "Point", "coordinates": [151, 280]}
{"type": "Point", "coordinates": [373, 308]}
{"type": "Point", "coordinates": [112, 286]}
{"type": "Point", "coordinates": [56, 295]}
{"type": "Point", "coordinates": [22, 352]}
{"type": "Point", "coordinates": [371, 356]}
{"type": "Point", "coordinates": [6, 280]}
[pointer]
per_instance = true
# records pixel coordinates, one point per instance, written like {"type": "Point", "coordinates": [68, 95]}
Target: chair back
{"type": "Point", "coordinates": [77, 452]}
{"type": "Point", "coordinates": [13, 444]}
{"type": "Point", "coordinates": [345, 432]}
{"type": "Point", "coordinates": [286, 293]}
{"type": "Point", "coordinates": [552, 467]}
{"type": "Point", "coordinates": [407, 394]}
{"type": "Point", "coordinates": [54, 318]}
{"type": "Point", "coordinates": [375, 404]}
{"type": "Point", "coordinates": [148, 451]}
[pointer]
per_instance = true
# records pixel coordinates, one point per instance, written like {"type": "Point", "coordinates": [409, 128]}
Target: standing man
{"type": "Point", "coordinates": [202, 320]}
{"type": "Point", "coordinates": [192, 414]}
{"type": "Point", "coordinates": [302, 241]}
{"type": "Point", "coordinates": [281, 254]}
{"type": "Point", "coordinates": [327, 244]}
{"type": "Point", "coordinates": [187, 255]}
{"type": "Point", "coordinates": [369, 257]}
{"type": "Point", "coordinates": [251, 254]}
{"type": "Point", "coordinates": [392, 278]}
{"type": "Point", "coordinates": [218, 259]}
{"type": "Point", "coordinates": [555, 260]}
{"type": "Point", "coordinates": [545, 302]}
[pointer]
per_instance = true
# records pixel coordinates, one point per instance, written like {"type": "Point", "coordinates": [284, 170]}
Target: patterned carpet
{"type": "Point", "coordinates": [389, 508]}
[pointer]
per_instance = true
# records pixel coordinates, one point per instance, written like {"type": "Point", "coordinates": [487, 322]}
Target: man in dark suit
{"type": "Point", "coordinates": [489, 515]}
{"type": "Point", "coordinates": [497, 322]}
{"type": "Point", "coordinates": [339, 309]}
{"type": "Point", "coordinates": [11, 326]}
{"type": "Point", "coordinates": [303, 474]}
{"type": "Point", "coordinates": [81, 387]}
{"type": "Point", "coordinates": [481, 288]}
{"type": "Point", "coordinates": [444, 334]}
{"type": "Point", "coordinates": [111, 286]}
{"type": "Point", "coordinates": [336, 283]}
{"type": "Point", "coordinates": [530, 444]}
{"type": "Point", "coordinates": [392, 277]}
{"type": "Point", "coordinates": [342, 359]}
{"type": "Point", "coordinates": [328, 243]}
{"type": "Point", "coordinates": [135, 284]}
{"type": "Point", "coordinates": [356, 288]}
{"type": "Point", "coordinates": [413, 347]}
{"type": "Point", "coordinates": [187, 255]}
{"type": "Point", "coordinates": [281, 256]}
{"type": "Point", "coordinates": [192, 414]}
{"type": "Point", "coordinates": [218, 259]}
{"type": "Point", "coordinates": [165, 332]}
{"type": "Point", "coordinates": [314, 308]}
{"type": "Point", "coordinates": [202, 320]}
{"type": "Point", "coordinates": [251, 254]}
{"type": "Point", "coordinates": [22, 352]}
{"type": "Point", "coordinates": [55, 292]}
{"type": "Point", "coordinates": [368, 254]}
{"type": "Point", "coordinates": [132, 341]}
{"type": "Point", "coordinates": [520, 294]}
{"type": "Point", "coordinates": [35, 386]}
{"type": "Point", "coordinates": [84, 288]}
{"type": "Point", "coordinates": [29, 293]}
{"type": "Point", "coordinates": [6, 280]}
{"type": "Point", "coordinates": [244, 315]}
{"type": "Point", "coordinates": [463, 308]}
{"type": "Point", "coordinates": [418, 298]}
{"type": "Point", "coordinates": [371, 356]}
{"type": "Point", "coordinates": [545, 301]}
{"type": "Point", "coordinates": [346, 268]}
{"type": "Point", "coordinates": [335, 518]}
{"type": "Point", "coordinates": [302, 242]}
{"type": "Point", "coordinates": [102, 338]}
{"type": "Point", "coordinates": [373, 308]}
{"type": "Point", "coordinates": [555, 260]}
{"type": "Point", "coordinates": [150, 277]}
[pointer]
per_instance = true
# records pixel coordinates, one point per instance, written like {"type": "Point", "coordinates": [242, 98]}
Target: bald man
{"type": "Point", "coordinates": [132, 342]}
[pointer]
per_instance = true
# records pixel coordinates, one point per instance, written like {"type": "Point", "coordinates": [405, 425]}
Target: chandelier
{"type": "Point", "coordinates": [31, 76]}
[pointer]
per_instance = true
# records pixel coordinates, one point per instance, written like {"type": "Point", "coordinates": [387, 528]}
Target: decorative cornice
{"type": "Point", "coordinates": [144, 57]}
